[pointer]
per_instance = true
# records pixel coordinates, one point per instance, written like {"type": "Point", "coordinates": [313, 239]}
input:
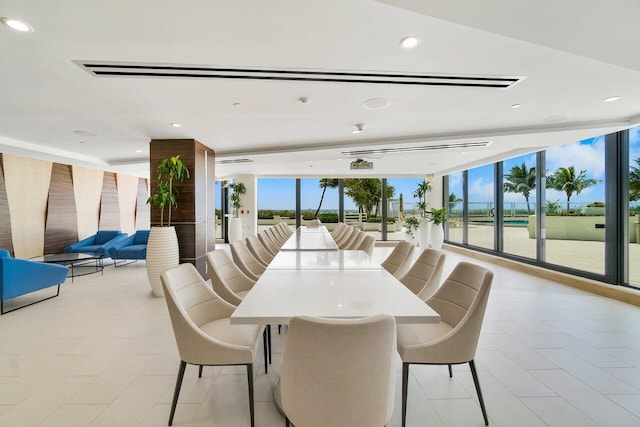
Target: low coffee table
{"type": "Point", "coordinates": [80, 264]}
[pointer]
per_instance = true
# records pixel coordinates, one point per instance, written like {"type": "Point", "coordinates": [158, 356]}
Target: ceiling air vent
{"type": "Point", "coordinates": [378, 151]}
{"type": "Point", "coordinates": [232, 161]}
{"type": "Point", "coordinates": [133, 69]}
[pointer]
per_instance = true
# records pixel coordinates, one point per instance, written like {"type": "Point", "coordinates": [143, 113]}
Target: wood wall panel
{"type": "Point", "coordinates": [127, 194]}
{"type": "Point", "coordinates": [27, 199]}
{"type": "Point", "coordinates": [5, 214]}
{"type": "Point", "coordinates": [87, 189]}
{"type": "Point", "coordinates": [143, 210]}
{"type": "Point", "coordinates": [61, 228]}
{"type": "Point", "coordinates": [109, 205]}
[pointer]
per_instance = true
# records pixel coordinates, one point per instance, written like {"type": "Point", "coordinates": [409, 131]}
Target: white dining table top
{"type": "Point", "coordinates": [281, 294]}
{"type": "Point", "coordinates": [305, 240]}
{"type": "Point", "coordinates": [323, 260]}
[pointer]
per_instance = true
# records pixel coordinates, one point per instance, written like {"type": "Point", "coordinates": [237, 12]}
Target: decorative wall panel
{"type": "Point", "coordinates": [127, 193]}
{"type": "Point", "coordinates": [62, 218]}
{"type": "Point", "coordinates": [87, 189]}
{"type": "Point", "coordinates": [109, 205]}
{"type": "Point", "coordinates": [143, 210]}
{"type": "Point", "coordinates": [27, 202]}
{"type": "Point", "coordinates": [5, 215]}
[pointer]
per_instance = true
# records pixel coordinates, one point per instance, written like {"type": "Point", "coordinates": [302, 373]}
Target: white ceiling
{"type": "Point", "coordinates": [572, 54]}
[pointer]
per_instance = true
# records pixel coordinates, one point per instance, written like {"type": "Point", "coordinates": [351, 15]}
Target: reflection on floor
{"type": "Point", "coordinates": [103, 354]}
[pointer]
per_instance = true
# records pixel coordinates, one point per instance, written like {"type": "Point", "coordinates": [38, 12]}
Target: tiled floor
{"type": "Point", "coordinates": [103, 354]}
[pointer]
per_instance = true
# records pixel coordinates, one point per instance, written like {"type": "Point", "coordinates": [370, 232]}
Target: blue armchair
{"type": "Point", "coordinates": [20, 276]}
{"type": "Point", "coordinates": [133, 247]}
{"type": "Point", "coordinates": [98, 244]}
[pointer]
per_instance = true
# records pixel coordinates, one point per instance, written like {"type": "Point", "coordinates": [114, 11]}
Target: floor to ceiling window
{"type": "Point", "coordinates": [319, 199]}
{"type": "Point", "coordinates": [456, 205]}
{"type": "Point", "coordinates": [363, 204]}
{"type": "Point", "coordinates": [634, 206]}
{"type": "Point", "coordinates": [276, 201]}
{"type": "Point", "coordinates": [401, 205]}
{"type": "Point", "coordinates": [519, 206]}
{"type": "Point", "coordinates": [481, 206]}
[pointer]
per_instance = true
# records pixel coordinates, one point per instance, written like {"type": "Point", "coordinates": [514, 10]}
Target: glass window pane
{"type": "Point", "coordinates": [319, 199]}
{"type": "Point", "coordinates": [276, 201]}
{"type": "Point", "coordinates": [454, 225]}
{"type": "Point", "coordinates": [362, 204]}
{"type": "Point", "coordinates": [575, 205]}
{"type": "Point", "coordinates": [634, 206]}
{"type": "Point", "coordinates": [519, 180]}
{"type": "Point", "coordinates": [481, 209]}
{"type": "Point", "coordinates": [402, 205]}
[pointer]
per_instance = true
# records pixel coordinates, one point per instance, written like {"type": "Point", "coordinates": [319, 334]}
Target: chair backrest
{"type": "Point", "coordinates": [141, 237]}
{"type": "Point", "coordinates": [278, 231]}
{"type": "Point", "coordinates": [355, 240]}
{"type": "Point", "coordinates": [5, 253]}
{"type": "Point", "coordinates": [226, 278]}
{"type": "Point", "coordinates": [275, 238]}
{"type": "Point", "coordinates": [192, 303]}
{"type": "Point", "coordinates": [398, 261]}
{"type": "Point", "coordinates": [339, 372]}
{"type": "Point", "coordinates": [103, 236]}
{"type": "Point", "coordinates": [346, 237]}
{"type": "Point", "coordinates": [461, 302]}
{"type": "Point", "coordinates": [246, 261]}
{"type": "Point", "coordinates": [284, 227]}
{"type": "Point", "coordinates": [423, 278]}
{"type": "Point", "coordinates": [367, 244]}
{"type": "Point", "coordinates": [258, 250]}
{"type": "Point", "coordinates": [338, 231]}
{"type": "Point", "coordinates": [268, 244]}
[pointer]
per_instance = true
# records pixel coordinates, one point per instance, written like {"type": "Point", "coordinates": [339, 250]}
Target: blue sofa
{"type": "Point", "coordinates": [21, 276]}
{"type": "Point", "coordinates": [133, 247]}
{"type": "Point", "coordinates": [98, 244]}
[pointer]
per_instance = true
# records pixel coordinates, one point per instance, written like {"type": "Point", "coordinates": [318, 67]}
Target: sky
{"type": "Point", "coordinates": [279, 193]}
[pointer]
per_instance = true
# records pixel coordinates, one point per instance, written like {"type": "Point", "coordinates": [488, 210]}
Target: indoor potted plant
{"type": "Point", "coordinates": [438, 217]}
{"type": "Point", "coordinates": [420, 193]}
{"type": "Point", "coordinates": [235, 225]}
{"type": "Point", "coordinates": [411, 225]}
{"type": "Point", "coordinates": [162, 247]}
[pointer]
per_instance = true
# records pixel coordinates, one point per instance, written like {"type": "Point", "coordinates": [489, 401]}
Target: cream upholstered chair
{"type": "Point", "coordinates": [258, 250]}
{"type": "Point", "coordinates": [275, 238]}
{"type": "Point", "coordinates": [367, 245]}
{"type": "Point", "coordinates": [461, 303]}
{"type": "Point", "coordinates": [339, 230]}
{"type": "Point", "coordinates": [278, 231]}
{"type": "Point", "coordinates": [268, 244]}
{"type": "Point", "coordinates": [355, 241]}
{"type": "Point", "coordinates": [399, 260]}
{"type": "Point", "coordinates": [244, 259]}
{"type": "Point", "coordinates": [228, 281]}
{"type": "Point", "coordinates": [338, 372]}
{"type": "Point", "coordinates": [284, 227]}
{"type": "Point", "coordinates": [204, 336]}
{"type": "Point", "coordinates": [346, 236]}
{"type": "Point", "coordinates": [423, 278]}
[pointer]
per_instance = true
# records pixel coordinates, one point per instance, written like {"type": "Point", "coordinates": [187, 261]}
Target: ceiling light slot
{"type": "Point", "coordinates": [232, 161]}
{"type": "Point", "coordinates": [380, 151]}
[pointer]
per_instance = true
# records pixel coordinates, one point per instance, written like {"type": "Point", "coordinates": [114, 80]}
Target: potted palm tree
{"type": "Point", "coordinates": [235, 225]}
{"type": "Point", "coordinates": [162, 247]}
{"type": "Point", "coordinates": [438, 217]}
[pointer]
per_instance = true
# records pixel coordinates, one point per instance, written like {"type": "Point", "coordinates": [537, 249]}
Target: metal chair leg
{"type": "Point", "coordinates": [269, 339]}
{"type": "Point", "coordinates": [264, 347]}
{"type": "Point", "coordinates": [450, 372]}
{"type": "Point", "coordinates": [176, 392]}
{"type": "Point", "coordinates": [286, 422]}
{"type": "Point", "coordinates": [405, 388]}
{"type": "Point", "coordinates": [250, 376]}
{"type": "Point", "coordinates": [477, 384]}
{"type": "Point", "coordinates": [200, 371]}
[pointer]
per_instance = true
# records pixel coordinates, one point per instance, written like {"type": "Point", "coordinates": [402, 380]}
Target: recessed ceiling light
{"type": "Point", "coordinates": [176, 125]}
{"type": "Point", "coordinates": [84, 133]}
{"type": "Point", "coordinates": [23, 27]}
{"type": "Point", "coordinates": [516, 105]}
{"type": "Point", "coordinates": [376, 103]}
{"type": "Point", "coordinates": [237, 104]}
{"type": "Point", "coordinates": [358, 128]}
{"type": "Point", "coordinates": [611, 99]}
{"type": "Point", "coordinates": [138, 151]}
{"type": "Point", "coordinates": [409, 42]}
{"type": "Point", "coordinates": [81, 142]}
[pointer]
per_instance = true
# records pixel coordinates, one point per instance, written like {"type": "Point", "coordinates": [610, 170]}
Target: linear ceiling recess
{"type": "Point", "coordinates": [378, 151]}
{"type": "Point", "coordinates": [112, 69]}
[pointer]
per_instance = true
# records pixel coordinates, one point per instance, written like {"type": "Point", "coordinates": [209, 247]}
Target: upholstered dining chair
{"type": "Point", "coordinates": [423, 278]}
{"type": "Point", "coordinates": [244, 259]}
{"type": "Point", "coordinates": [202, 330]}
{"type": "Point", "coordinates": [367, 245]}
{"type": "Point", "coordinates": [339, 228]}
{"type": "Point", "coordinates": [399, 260]}
{"type": "Point", "coordinates": [258, 250]}
{"type": "Point", "coordinates": [338, 372]}
{"type": "Point", "coordinates": [284, 227]}
{"type": "Point", "coordinates": [227, 280]}
{"type": "Point", "coordinates": [346, 236]}
{"type": "Point", "coordinates": [275, 238]}
{"type": "Point", "coordinates": [355, 240]}
{"type": "Point", "coordinates": [268, 244]}
{"type": "Point", "coordinates": [461, 303]}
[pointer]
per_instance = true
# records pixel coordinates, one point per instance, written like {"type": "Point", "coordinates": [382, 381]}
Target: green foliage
{"type": "Point", "coordinates": [596, 205]}
{"type": "Point", "coordinates": [521, 180]}
{"type": "Point", "coordinates": [366, 193]}
{"type": "Point", "coordinates": [411, 224]}
{"type": "Point", "coordinates": [438, 216]}
{"type": "Point", "coordinates": [552, 207]}
{"type": "Point", "coordinates": [324, 184]}
{"type": "Point", "coordinates": [565, 179]}
{"type": "Point", "coordinates": [236, 202]}
{"type": "Point", "coordinates": [269, 214]}
{"type": "Point", "coordinates": [634, 181]}
{"type": "Point", "coordinates": [328, 217]}
{"type": "Point", "coordinates": [420, 193]}
{"type": "Point", "coordinates": [171, 172]}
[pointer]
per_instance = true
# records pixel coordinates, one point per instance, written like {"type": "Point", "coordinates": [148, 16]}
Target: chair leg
{"type": "Point", "coordinates": [250, 376]}
{"type": "Point", "coordinates": [286, 421]}
{"type": "Point", "coordinates": [405, 388]}
{"type": "Point", "coordinates": [176, 393]}
{"type": "Point", "coordinates": [269, 339]}
{"type": "Point", "coordinates": [264, 347]}
{"type": "Point", "coordinates": [200, 371]}
{"type": "Point", "coordinates": [450, 372]}
{"type": "Point", "coordinates": [477, 384]}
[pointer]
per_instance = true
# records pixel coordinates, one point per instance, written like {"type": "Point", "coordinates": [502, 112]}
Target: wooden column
{"type": "Point", "coordinates": [194, 218]}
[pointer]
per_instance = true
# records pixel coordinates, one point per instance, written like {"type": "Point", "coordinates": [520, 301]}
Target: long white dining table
{"type": "Point", "coordinates": [310, 239]}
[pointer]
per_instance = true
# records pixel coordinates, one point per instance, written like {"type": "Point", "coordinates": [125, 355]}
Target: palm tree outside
{"type": "Point", "coordinates": [324, 184]}
{"type": "Point", "coordinates": [521, 180]}
{"type": "Point", "coordinates": [565, 179]}
{"type": "Point", "coordinates": [634, 181]}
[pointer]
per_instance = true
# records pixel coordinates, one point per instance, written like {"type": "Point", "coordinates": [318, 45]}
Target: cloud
{"type": "Point", "coordinates": [584, 155]}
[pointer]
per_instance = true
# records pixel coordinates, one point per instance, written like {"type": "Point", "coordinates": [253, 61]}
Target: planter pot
{"type": "Point", "coordinates": [423, 232]}
{"type": "Point", "coordinates": [410, 239]}
{"type": "Point", "coordinates": [235, 230]}
{"type": "Point", "coordinates": [162, 254]}
{"type": "Point", "coordinates": [437, 236]}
